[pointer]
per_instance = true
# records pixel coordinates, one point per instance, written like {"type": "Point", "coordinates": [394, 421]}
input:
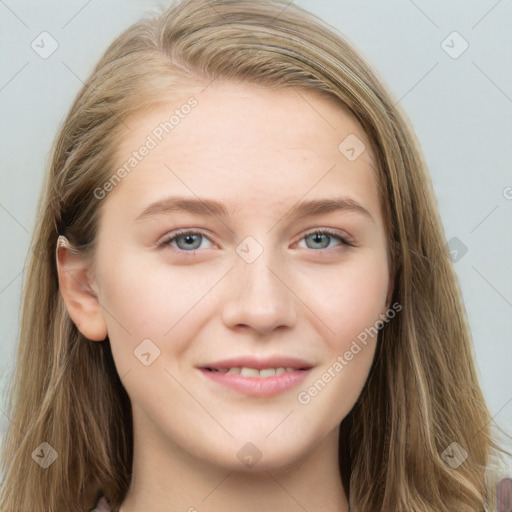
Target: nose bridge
{"type": "Point", "coordinates": [258, 296]}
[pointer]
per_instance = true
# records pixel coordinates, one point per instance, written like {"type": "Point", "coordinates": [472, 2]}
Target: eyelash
{"type": "Point", "coordinates": [167, 241]}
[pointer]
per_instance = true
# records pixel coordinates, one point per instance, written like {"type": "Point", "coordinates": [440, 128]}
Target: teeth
{"type": "Point", "coordinates": [249, 372]}
{"type": "Point", "coordinates": [254, 372]}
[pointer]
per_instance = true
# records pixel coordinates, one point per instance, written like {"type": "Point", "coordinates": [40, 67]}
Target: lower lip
{"type": "Point", "coordinates": [258, 386]}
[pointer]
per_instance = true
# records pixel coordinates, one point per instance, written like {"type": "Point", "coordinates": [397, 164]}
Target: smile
{"type": "Point", "coordinates": [254, 372]}
{"type": "Point", "coordinates": [266, 382]}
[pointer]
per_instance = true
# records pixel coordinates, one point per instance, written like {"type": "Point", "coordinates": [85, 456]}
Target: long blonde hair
{"type": "Point", "coordinates": [422, 393]}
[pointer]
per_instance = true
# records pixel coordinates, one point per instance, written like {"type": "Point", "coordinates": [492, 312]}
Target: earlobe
{"type": "Point", "coordinates": [78, 293]}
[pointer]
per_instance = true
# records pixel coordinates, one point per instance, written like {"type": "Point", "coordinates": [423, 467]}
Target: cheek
{"type": "Point", "coordinates": [347, 300]}
{"type": "Point", "coordinates": [144, 301]}
{"type": "Point", "coordinates": [352, 308]}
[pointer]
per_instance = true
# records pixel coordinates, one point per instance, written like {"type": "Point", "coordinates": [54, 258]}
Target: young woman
{"type": "Point", "coordinates": [239, 296]}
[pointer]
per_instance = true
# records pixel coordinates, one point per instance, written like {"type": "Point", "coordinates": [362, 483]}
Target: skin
{"type": "Point", "coordinates": [259, 152]}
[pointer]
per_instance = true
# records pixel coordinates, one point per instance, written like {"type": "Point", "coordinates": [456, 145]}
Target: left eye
{"type": "Point", "coordinates": [188, 241]}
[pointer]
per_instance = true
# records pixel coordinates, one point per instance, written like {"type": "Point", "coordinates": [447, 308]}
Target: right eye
{"type": "Point", "coordinates": [184, 241]}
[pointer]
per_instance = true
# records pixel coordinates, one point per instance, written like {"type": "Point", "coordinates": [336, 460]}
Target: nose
{"type": "Point", "coordinates": [259, 296]}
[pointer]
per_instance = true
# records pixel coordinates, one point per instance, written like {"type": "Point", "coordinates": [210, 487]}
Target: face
{"type": "Point", "coordinates": [255, 279]}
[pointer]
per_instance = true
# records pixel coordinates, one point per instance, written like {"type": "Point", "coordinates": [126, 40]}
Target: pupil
{"type": "Point", "coordinates": [188, 241]}
{"type": "Point", "coordinates": [317, 239]}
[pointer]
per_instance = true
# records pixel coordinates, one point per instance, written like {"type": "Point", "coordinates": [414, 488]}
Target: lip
{"type": "Point", "coordinates": [258, 386]}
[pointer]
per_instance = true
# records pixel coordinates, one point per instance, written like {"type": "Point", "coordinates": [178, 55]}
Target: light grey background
{"type": "Point", "coordinates": [460, 108]}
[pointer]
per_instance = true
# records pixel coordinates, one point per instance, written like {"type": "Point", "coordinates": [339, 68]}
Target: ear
{"type": "Point", "coordinates": [79, 292]}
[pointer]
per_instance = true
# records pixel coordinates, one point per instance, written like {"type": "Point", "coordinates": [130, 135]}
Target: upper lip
{"type": "Point", "coordinates": [259, 363]}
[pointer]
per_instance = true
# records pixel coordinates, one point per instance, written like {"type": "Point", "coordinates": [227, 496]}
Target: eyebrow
{"type": "Point", "coordinates": [211, 207]}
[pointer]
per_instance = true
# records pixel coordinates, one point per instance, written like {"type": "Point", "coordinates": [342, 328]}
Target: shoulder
{"type": "Point", "coordinates": [102, 505]}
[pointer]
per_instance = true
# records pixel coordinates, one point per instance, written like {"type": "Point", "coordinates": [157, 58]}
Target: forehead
{"type": "Point", "coordinates": [243, 142]}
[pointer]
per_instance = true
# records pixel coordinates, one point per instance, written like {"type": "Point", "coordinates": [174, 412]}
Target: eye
{"type": "Point", "coordinates": [321, 239]}
{"type": "Point", "coordinates": [185, 241]}
{"type": "Point", "coordinates": [190, 241]}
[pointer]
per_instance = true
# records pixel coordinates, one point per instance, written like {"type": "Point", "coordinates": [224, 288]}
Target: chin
{"type": "Point", "coordinates": [260, 457]}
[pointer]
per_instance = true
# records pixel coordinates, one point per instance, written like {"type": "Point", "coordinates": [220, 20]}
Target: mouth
{"type": "Point", "coordinates": [263, 373]}
{"type": "Point", "coordinates": [257, 377]}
